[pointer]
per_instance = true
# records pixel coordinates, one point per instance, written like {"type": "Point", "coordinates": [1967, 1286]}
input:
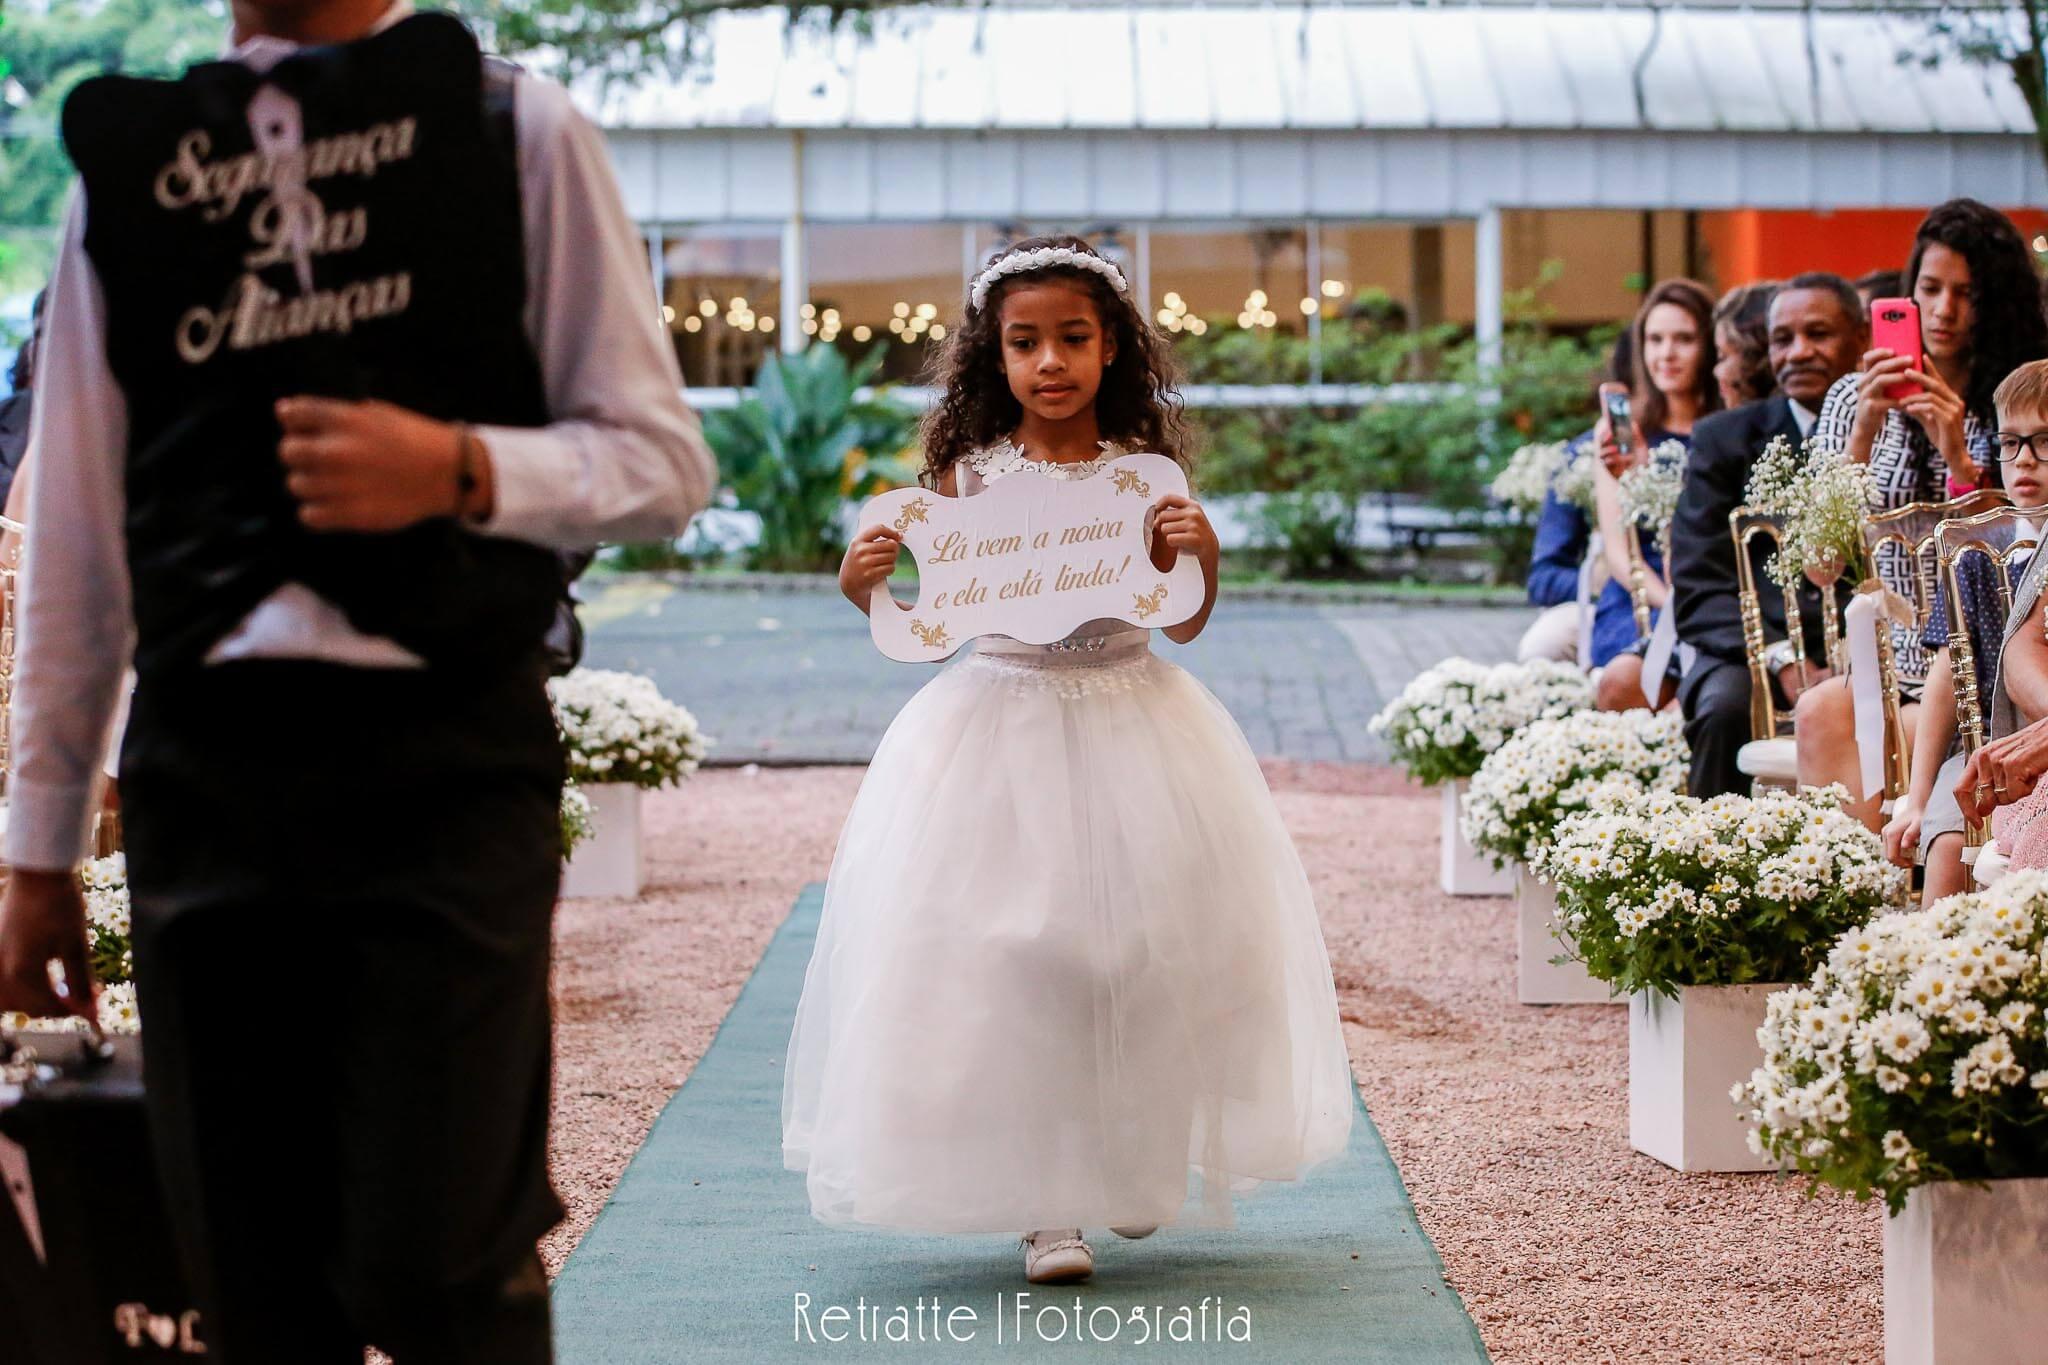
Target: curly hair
{"type": "Point", "coordinates": [2008, 328]}
{"type": "Point", "coordinates": [1136, 405]}
{"type": "Point", "coordinates": [1744, 312]}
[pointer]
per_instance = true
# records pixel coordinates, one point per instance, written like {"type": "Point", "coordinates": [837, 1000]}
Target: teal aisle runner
{"type": "Point", "coordinates": [707, 1252]}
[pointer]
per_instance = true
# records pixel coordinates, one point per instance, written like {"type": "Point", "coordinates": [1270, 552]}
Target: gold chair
{"type": "Point", "coordinates": [12, 543]}
{"type": "Point", "coordinates": [1638, 582]}
{"type": "Point", "coordinates": [1995, 537]}
{"type": "Point", "coordinates": [1903, 545]}
{"type": "Point", "coordinates": [1770, 759]}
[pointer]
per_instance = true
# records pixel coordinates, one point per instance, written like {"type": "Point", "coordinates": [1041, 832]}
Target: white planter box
{"type": "Point", "coordinates": [1466, 872]}
{"type": "Point", "coordinates": [1966, 1275]}
{"type": "Point", "coordinates": [1540, 981]}
{"type": "Point", "coordinates": [1684, 1056]}
{"type": "Point", "coordinates": [608, 863]}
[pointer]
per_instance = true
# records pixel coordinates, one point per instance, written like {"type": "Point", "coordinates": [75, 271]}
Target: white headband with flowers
{"type": "Point", "coordinates": [1044, 258]}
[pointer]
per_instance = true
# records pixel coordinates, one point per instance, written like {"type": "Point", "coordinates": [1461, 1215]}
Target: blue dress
{"type": "Point", "coordinates": [1563, 532]}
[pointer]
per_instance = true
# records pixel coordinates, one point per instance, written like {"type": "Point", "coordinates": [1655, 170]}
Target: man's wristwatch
{"type": "Point", "coordinates": [1780, 655]}
{"type": "Point", "coordinates": [465, 470]}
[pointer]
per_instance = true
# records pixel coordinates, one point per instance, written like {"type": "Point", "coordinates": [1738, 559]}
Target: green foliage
{"type": "Point", "coordinates": [625, 39]}
{"type": "Point", "coordinates": [801, 444]}
{"type": "Point", "coordinates": [50, 52]}
{"type": "Point", "coordinates": [1446, 443]}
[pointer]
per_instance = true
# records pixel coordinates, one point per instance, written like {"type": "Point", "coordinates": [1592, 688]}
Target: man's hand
{"type": "Point", "coordinates": [376, 467]}
{"type": "Point", "coordinates": [42, 920]}
{"type": "Point", "coordinates": [1788, 679]}
{"type": "Point", "coordinates": [2003, 771]}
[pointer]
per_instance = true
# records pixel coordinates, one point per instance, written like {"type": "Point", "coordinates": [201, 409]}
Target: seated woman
{"type": "Point", "coordinates": [1972, 276]}
{"type": "Point", "coordinates": [1560, 575]}
{"type": "Point", "coordinates": [1675, 387]}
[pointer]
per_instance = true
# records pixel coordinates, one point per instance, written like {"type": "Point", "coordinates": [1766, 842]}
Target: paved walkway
{"type": "Point", "coordinates": [707, 1252]}
{"type": "Point", "coordinates": [790, 675]}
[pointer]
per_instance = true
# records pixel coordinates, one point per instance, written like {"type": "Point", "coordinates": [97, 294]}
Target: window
{"type": "Point", "coordinates": [722, 297]}
{"type": "Point", "coordinates": [896, 286]}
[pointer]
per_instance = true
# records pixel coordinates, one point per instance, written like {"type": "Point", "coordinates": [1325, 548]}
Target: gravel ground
{"type": "Point", "coordinates": [1508, 1123]}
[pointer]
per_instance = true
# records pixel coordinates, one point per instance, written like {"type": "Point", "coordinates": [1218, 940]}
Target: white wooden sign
{"type": "Point", "coordinates": [1031, 558]}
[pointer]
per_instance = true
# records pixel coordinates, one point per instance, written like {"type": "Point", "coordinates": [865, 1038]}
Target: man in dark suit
{"type": "Point", "coordinates": [1818, 330]}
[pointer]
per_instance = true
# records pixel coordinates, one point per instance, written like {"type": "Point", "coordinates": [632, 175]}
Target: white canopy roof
{"type": "Point", "coordinates": [1369, 67]}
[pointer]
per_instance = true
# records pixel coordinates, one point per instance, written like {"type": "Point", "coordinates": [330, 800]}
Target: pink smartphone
{"type": "Point", "coordinates": [1895, 326]}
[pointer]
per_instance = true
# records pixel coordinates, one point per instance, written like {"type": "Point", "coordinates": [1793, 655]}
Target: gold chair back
{"type": "Point", "coordinates": [1748, 528]}
{"type": "Point", "coordinates": [1638, 581]}
{"type": "Point", "coordinates": [1996, 537]}
{"type": "Point", "coordinates": [12, 543]}
{"type": "Point", "coordinates": [1905, 556]}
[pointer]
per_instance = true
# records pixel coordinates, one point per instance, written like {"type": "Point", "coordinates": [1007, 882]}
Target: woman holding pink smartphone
{"type": "Point", "coordinates": [1920, 415]}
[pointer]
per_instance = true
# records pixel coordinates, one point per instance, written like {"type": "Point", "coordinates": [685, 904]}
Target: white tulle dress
{"type": "Point", "coordinates": [1069, 971]}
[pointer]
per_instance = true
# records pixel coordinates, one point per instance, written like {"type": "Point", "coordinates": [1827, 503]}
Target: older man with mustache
{"type": "Point", "coordinates": [1817, 331]}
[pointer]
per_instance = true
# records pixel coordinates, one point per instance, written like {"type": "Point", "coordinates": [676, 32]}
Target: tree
{"type": "Point", "coordinates": [2012, 34]}
{"type": "Point", "coordinates": [42, 56]}
{"type": "Point", "coordinates": [625, 39]}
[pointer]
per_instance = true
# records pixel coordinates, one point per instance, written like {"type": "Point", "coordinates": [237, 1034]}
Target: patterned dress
{"type": "Point", "coordinates": [1906, 468]}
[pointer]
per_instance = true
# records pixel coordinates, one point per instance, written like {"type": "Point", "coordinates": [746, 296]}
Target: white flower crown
{"type": "Point", "coordinates": [1044, 258]}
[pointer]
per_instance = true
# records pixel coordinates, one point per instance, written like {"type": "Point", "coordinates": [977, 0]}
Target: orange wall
{"type": "Point", "coordinates": [1768, 244]}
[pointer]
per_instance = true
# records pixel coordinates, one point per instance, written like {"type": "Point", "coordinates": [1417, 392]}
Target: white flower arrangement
{"type": "Point", "coordinates": [578, 821]}
{"type": "Point", "coordinates": [1821, 499]}
{"type": "Point", "coordinates": [1450, 717]}
{"type": "Point", "coordinates": [110, 947]}
{"type": "Point", "coordinates": [1659, 891]}
{"type": "Point", "coordinates": [619, 728]}
{"type": "Point", "coordinates": [1555, 768]}
{"type": "Point", "coordinates": [1044, 258]}
{"type": "Point", "coordinates": [1575, 482]}
{"type": "Point", "coordinates": [1649, 492]}
{"type": "Point", "coordinates": [1916, 1053]}
{"type": "Point", "coordinates": [1528, 476]}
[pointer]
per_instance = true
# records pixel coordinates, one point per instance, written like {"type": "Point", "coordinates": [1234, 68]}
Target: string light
{"type": "Point", "coordinates": [809, 311]}
{"type": "Point", "coordinates": [708, 308]}
{"type": "Point", "coordinates": [938, 331]}
{"type": "Point", "coordinates": [1333, 289]}
{"type": "Point", "coordinates": [810, 327]}
{"type": "Point", "coordinates": [768, 323]}
{"type": "Point", "coordinates": [927, 311]}
{"type": "Point", "coordinates": [693, 323]}
{"type": "Point", "coordinates": [1310, 306]}
{"type": "Point", "coordinates": [896, 325]}
{"type": "Point", "coordinates": [863, 333]}
{"type": "Point", "coordinates": [902, 310]}
{"type": "Point", "coordinates": [668, 313]}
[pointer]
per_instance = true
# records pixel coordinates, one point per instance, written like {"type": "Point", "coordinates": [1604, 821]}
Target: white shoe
{"type": "Point", "coordinates": [1057, 1256]}
{"type": "Point", "coordinates": [1136, 1233]}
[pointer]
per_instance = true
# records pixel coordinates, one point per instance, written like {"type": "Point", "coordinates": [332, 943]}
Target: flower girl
{"type": "Point", "coordinates": [1069, 972]}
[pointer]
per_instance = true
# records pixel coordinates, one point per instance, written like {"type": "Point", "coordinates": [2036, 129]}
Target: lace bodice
{"type": "Point", "coordinates": [1005, 457]}
{"type": "Point", "coordinates": [1096, 643]}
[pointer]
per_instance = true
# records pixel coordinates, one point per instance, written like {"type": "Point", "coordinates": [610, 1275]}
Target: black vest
{"type": "Point", "coordinates": [417, 297]}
